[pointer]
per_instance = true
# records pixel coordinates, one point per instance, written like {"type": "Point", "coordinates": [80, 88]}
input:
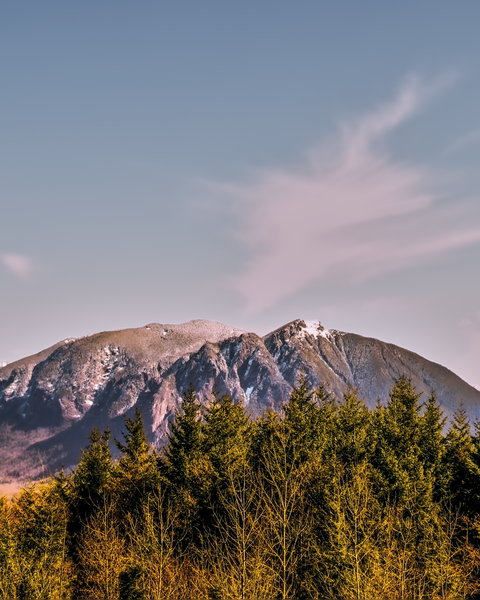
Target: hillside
{"type": "Point", "coordinates": [49, 402]}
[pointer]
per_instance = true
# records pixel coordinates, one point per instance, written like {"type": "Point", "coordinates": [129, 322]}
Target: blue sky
{"type": "Point", "coordinates": [249, 163]}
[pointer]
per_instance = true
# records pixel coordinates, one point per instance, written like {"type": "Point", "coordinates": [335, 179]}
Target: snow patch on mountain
{"type": "Point", "coordinates": [248, 394]}
{"type": "Point", "coordinates": [96, 379]}
{"type": "Point", "coordinates": [316, 329]}
{"type": "Point", "coordinates": [313, 327]}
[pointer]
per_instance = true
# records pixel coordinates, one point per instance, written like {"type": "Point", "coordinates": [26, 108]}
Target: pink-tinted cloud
{"type": "Point", "coordinates": [20, 265]}
{"type": "Point", "coordinates": [352, 209]}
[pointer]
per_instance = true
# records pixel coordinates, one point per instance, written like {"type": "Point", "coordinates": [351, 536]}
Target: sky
{"type": "Point", "coordinates": [249, 163]}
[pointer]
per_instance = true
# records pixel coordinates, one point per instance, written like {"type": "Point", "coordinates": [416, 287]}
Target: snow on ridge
{"type": "Point", "coordinates": [3, 364]}
{"type": "Point", "coordinates": [316, 329]}
{"type": "Point", "coordinates": [313, 327]}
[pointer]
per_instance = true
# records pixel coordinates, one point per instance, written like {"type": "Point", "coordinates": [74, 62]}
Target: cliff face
{"type": "Point", "coordinates": [60, 394]}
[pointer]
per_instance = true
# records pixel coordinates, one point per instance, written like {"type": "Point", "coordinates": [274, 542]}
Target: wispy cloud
{"type": "Point", "coordinates": [20, 265]}
{"type": "Point", "coordinates": [351, 209]}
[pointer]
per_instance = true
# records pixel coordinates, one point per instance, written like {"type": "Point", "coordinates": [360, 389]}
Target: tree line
{"type": "Point", "coordinates": [326, 500]}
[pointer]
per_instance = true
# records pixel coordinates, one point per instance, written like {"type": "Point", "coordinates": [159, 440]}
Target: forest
{"type": "Point", "coordinates": [327, 500]}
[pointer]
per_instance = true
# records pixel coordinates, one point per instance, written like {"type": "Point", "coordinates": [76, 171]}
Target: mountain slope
{"type": "Point", "coordinates": [51, 401]}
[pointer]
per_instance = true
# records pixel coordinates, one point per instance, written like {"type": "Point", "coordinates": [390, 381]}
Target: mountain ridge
{"type": "Point", "coordinates": [55, 397]}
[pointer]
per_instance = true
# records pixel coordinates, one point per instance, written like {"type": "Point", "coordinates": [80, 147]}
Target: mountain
{"type": "Point", "coordinates": [49, 402]}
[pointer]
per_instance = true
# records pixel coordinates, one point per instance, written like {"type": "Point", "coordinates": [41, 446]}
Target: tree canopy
{"type": "Point", "coordinates": [325, 500]}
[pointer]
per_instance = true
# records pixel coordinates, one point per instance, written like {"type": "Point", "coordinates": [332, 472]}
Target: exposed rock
{"type": "Point", "coordinates": [61, 393]}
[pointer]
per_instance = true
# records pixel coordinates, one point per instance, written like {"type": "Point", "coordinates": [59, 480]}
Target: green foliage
{"type": "Point", "coordinates": [184, 445]}
{"type": "Point", "coordinates": [136, 450]}
{"type": "Point", "coordinates": [308, 414]}
{"type": "Point", "coordinates": [398, 459]}
{"type": "Point", "coordinates": [328, 500]}
{"type": "Point", "coordinates": [225, 441]}
{"type": "Point", "coordinates": [226, 432]}
{"type": "Point", "coordinates": [94, 472]}
{"type": "Point", "coordinates": [462, 464]}
{"type": "Point", "coordinates": [353, 440]}
{"type": "Point", "coordinates": [136, 474]}
{"type": "Point", "coordinates": [432, 447]}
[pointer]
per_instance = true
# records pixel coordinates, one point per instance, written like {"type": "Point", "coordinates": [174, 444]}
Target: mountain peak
{"type": "Point", "coordinates": [61, 393]}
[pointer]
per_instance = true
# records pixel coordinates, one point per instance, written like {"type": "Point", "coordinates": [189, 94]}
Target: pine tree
{"type": "Point", "coordinates": [308, 414]}
{"type": "Point", "coordinates": [136, 472]}
{"type": "Point", "coordinates": [225, 448]}
{"type": "Point", "coordinates": [183, 467]}
{"type": "Point", "coordinates": [463, 470]}
{"type": "Point", "coordinates": [136, 450]}
{"type": "Point", "coordinates": [226, 432]}
{"type": "Point", "coordinates": [432, 447]}
{"type": "Point", "coordinates": [93, 475]}
{"type": "Point", "coordinates": [353, 440]}
{"type": "Point", "coordinates": [398, 460]}
{"type": "Point", "coordinates": [184, 444]}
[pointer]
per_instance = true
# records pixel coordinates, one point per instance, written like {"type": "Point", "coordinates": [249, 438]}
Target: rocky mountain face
{"type": "Point", "coordinates": [50, 402]}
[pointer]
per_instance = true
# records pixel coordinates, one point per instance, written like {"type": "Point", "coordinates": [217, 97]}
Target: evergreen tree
{"type": "Point", "coordinates": [183, 467]}
{"type": "Point", "coordinates": [226, 433]}
{"type": "Point", "coordinates": [225, 449]}
{"type": "Point", "coordinates": [352, 438]}
{"type": "Point", "coordinates": [475, 496]}
{"type": "Point", "coordinates": [93, 475]}
{"type": "Point", "coordinates": [407, 459]}
{"type": "Point", "coordinates": [136, 471]}
{"type": "Point", "coordinates": [432, 447]}
{"type": "Point", "coordinates": [136, 450]}
{"type": "Point", "coordinates": [325, 500]}
{"type": "Point", "coordinates": [184, 445]}
{"type": "Point", "coordinates": [308, 416]}
{"type": "Point", "coordinates": [463, 470]}
{"type": "Point", "coordinates": [398, 459]}
{"type": "Point", "coordinates": [264, 434]}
